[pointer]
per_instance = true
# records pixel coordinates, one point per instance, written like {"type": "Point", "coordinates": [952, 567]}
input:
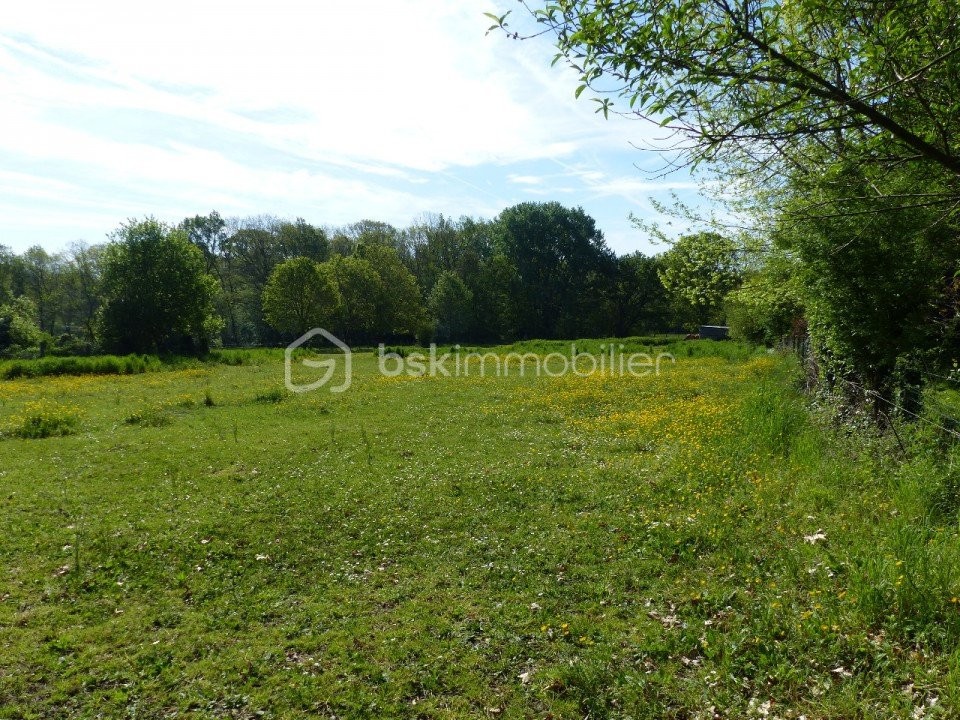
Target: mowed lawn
{"type": "Point", "coordinates": [692, 545]}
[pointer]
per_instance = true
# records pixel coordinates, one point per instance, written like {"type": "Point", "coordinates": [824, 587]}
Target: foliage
{"type": "Point", "coordinates": [78, 297]}
{"type": "Point", "coordinates": [560, 266]}
{"type": "Point", "coordinates": [19, 329]}
{"type": "Point", "coordinates": [870, 275]}
{"type": "Point", "coordinates": [301, 239]}
{"type": "Point", "coordinates": [301, 294]}
{"type": "Point", "coordinates": [96, 365]}
{"type": "Point", "coordinates": [207, 232]}
{"type": "Point", "coordinates": [757, 82]}
{"type": "Point", "coordinates": [638, 300]}
{"type": "Point", "coordinates": [243, 253]}
{"type": "Point", "coordinates": [451, 304]}
{"type": "Point", "coordinates": [36, 276]}
{"type": "Point", "coordinates": [7, 261]}
{"type": "Point", "coordinates": [42, 419]}
{"type": "Point", "coordinates": [767, 307]}
{"type": "Point", "coordinates": [157, 295]}
{"type": "Point", "coordinates": [398, 303]}
{"type": "Point", "coordinates": [698, 271]}
{"type": "Point", "coordinates": [832, 121]}
{"type": "Point", "coordinates": [359, 286]}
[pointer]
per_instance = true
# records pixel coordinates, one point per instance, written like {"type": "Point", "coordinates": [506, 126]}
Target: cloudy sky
{"type": "Point", "coordinates": [330, 111]}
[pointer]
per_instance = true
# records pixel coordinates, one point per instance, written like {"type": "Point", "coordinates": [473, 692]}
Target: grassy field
{"type": "Point", "coordinates": [198, 542]}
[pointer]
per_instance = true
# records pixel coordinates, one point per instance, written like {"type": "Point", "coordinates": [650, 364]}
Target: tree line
{"type": "Point", "coordinates": [537, 270]}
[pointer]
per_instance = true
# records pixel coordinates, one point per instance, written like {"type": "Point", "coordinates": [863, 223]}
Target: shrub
{"type": "Point", "coordinates": [766, 307]}
{"type": "Point", "coordinates": [67, 345]}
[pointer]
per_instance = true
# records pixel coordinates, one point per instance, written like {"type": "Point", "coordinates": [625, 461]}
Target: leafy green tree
{"type": "Point", "coordinates": [398, 303]}
{"type": "Point", "coordinates": [359, 286]}
{"type": "Point", "coordinates": [157, 295]}
{"type": "Point", "coordinates": [767, 307]}
{"type": "Point", "coordinates": [301, 294]}
{"type": "Point", "coordinates": [7, 263]}
{"type": "Point", "coordinates": [212, 234]}
{"type": "Point", "coordinates": [698, 271]}
{"type": "Point", "coordinates": [257, 250]}
{"type": "Point", "coordinates": [19, 327]}
{"type": "Point", "coordinates": [207, 232]}
{"type": "Point", "coordinates": [346, 240]}
{"type": "Point", "coordinates": [839, 123]}
{"type": "Point", "coordinates": [465, 248]}
{"type": "Point", "coordinates": [341, 245]}
{"type": "Point", "coordinates": [79, 294]}
{"type": "Point", "coordinates": [760, 82]}
{"type": "Point", "coordinates": [638, 300]}
{"type": "Point", "coordinates": [561, 267]}
{"type": "Point", "coordinates": [375, 232]}
{"type": "Point", "coordinates": [249, 254]}
{"type": "Point", "coordinates": [37, 276]}
{"type": "Point", "coordinates": [451, 304]}
{"type": "Point", "coordinates": [437, 245]}
{"type": "Point", "coordinates": [301, 239]}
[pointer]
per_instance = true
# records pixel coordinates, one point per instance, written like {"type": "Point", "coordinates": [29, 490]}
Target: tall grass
{"type": "Point", "coordinates": [124, 365]}
{"type": "Point", "coordinates": [772, 421]}
{"type": "Point", "coordinates": [232, 356]}
{"type": "Point", "coordinates": [96, 365]}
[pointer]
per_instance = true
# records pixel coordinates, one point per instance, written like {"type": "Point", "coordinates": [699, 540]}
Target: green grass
{"type": "Point", "coordinates": [471, 547]}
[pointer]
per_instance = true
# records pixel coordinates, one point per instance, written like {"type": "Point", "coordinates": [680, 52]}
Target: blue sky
{"type": "Point", "coordinates": [329, 111]}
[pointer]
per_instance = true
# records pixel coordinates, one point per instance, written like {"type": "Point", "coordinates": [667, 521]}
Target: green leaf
{"type": "Point", "coordinates": [499, 20]}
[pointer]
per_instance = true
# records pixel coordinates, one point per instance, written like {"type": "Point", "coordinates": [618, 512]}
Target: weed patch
{"type": "Point", "coordinates": [43, 419]}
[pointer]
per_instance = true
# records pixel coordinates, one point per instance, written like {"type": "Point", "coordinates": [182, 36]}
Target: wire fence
{"type": "Point", "coordinates": [941, 377]}
{"type": "Point", "coordinates": [930, 412]}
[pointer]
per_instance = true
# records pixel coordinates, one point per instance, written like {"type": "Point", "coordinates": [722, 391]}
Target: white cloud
{"type": "Point", "coordinates": [361, 109]}
{"type": "Point", "coordinates": [414, 84]}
